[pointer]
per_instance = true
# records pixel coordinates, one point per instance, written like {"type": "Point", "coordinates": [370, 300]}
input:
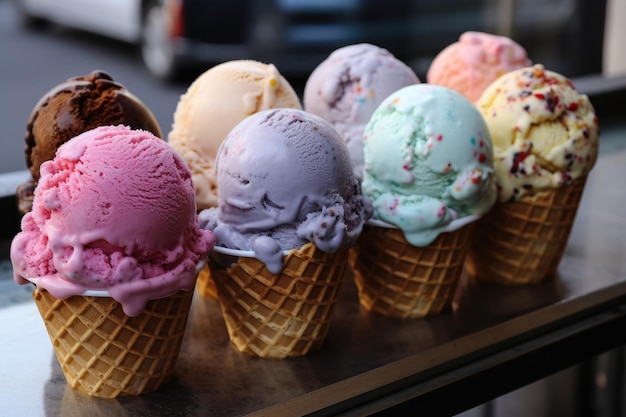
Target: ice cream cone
{"type": "Point", "coordinates": [205, 285]}
{"type": "Point", "coordinates": [523, 242]}
{"type": "Point", "coordinates": [280, 315]}
{"type": "Point", "coordinates": [105, 353]}
{"type": "Point", "coordinates": [397, 279]}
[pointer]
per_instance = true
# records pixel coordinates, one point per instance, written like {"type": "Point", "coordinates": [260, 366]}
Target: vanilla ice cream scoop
{"type": "Point", "coordinates": [213, 104]}
{"type": "Point", "coordinates": [545, 133]}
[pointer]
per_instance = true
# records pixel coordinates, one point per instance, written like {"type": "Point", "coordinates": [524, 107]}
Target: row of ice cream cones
{"type": "Point", "coordinates": [105, 353]}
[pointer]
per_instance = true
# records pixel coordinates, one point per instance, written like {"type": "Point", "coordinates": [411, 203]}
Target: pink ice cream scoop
{"type": "Point", "coordinates": [475, 61]}
{"type": "Point", "coordinates": [114, 211]}
{"type": "Point", "coordinates": [348, 86]}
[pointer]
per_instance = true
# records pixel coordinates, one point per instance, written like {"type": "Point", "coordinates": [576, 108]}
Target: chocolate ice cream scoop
{"type": "Point", "coordinates": [73, 107]}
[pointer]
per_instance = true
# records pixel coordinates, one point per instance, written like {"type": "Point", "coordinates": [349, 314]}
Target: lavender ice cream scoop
{"type": "Point", "coordinates": [285, 179]}
{"type": "Point", "coordinates": [348, 86]}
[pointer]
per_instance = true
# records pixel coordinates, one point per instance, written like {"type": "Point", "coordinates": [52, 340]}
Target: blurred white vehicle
{"type": "Point", "coordinates": [295, 35]}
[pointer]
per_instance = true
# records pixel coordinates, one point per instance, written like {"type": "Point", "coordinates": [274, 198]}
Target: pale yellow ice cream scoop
{"type": "Point", "coordinates": [545, 133]}
{"type": "Point", "coordinates": [213, 104]}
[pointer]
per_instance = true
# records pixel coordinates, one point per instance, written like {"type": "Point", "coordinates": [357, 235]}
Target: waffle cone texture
{"type": "Point", "coordinates": [280, 315]}
{"type": "Point", "coordinates": [523, 242]}
{"type": "Point", "coordinates": [399, 280]}
{"type": "Point", "coordinates": [205, 285]}
{"type": "Point", "coordinates": [103, 352]}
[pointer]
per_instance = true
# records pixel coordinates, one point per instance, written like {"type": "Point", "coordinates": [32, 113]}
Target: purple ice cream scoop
{"type": "Point", "coordinates": [284, 179]}
{"type": "Point", "coordinates": [348, 86]}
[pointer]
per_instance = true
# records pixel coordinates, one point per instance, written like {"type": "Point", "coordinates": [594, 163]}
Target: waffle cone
{"type": "Point", "coordinates": [280, 315]}
{"type": "Point", "coordinates": [205, 285]}
{"type": "Point", "coordinates": [103, 352]}
{"type": "Point", "coordinates": [523, 242]}
{"type": "Point", "coordinates": [399, 280]}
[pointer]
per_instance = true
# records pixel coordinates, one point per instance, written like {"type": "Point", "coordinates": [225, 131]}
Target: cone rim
{"type": "Point", "coordinates": [243, 253]}
{"type": "Point", "coordinates": [251, 254]}
{"type": "Point", "coordinates": [450, 227]}
{"type": "Point", "coordinates": [106, 294]}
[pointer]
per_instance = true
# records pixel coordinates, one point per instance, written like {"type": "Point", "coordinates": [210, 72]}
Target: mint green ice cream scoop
{"type": "Point", "coordinates": [428, 162]}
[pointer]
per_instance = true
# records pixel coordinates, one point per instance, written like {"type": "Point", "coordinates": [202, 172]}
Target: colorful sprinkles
{"type": "Point", "coordinates": [533, 111]}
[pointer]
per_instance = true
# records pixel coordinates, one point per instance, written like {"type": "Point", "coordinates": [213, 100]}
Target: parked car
{"type": "Point", "coordinates": [296, 35]}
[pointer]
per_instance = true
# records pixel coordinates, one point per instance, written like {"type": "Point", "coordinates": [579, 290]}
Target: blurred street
{"type": "Point", "coordinates": [31, 63]}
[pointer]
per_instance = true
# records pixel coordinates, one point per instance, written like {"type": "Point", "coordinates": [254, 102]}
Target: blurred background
{"type": "Point", "coordinates": [156, 48]}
